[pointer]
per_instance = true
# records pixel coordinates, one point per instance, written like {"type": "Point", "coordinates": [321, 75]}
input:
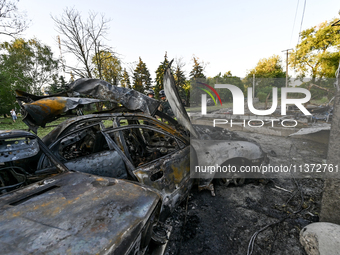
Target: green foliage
{"type": "Point", "coordinates": [125, 81]}
{"type": "Point", "coordinates": [329, 64]}
{"type": "Point", "coordinates": [261, 96]}
{"type": "Point", "coordinates": [57, 86]}
{"type": "Point", "coordinates": [197, 69]}
{"type": "Point", "coordinates": [317, 54]}
{"type": "Point", "coordinates": [196, 75]}
{"type": "Point", "coordinates": [141, 77]}
{"type": "Point", "coordinates": [268, 73]}
{"type": "Point", "coordinates": [7, 93]}
{"type": "Point", "coordinates": [24, 65]}
{"type": "Point", "coordinates": [324, 100]}
{"type": "Point", "coordinates": [225, 94]}
{"type": "Point", "coordinates": [227, 78]}
{"type": "Point", "coordinates": [107, 67]}
{"type": "Point", "coordinates": [181, 81]}
{"type": "Point", "coordinates": [160, 74]}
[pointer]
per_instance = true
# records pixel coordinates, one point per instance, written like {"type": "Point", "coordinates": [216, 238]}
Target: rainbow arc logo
{"type": "Point", "coordinates": [209, 93]}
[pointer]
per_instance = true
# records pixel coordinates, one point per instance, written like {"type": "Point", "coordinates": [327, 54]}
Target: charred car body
{"type": "Point", "coordinates": [68, 212]}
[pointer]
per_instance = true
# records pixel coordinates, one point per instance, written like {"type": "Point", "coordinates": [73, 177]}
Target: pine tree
{"type": "Point", "coordinates": [160, 74]}
{"type": "Point", "coordinates": [180, 79]}
{"type": "Point", "coordinates": [125, 81]}
{"type": "Point", "coordinates": [58, 85]}
{"type": "Point", "coordinates": [197, 69]}
{"type": "Point", "coordinates": [141, 77]}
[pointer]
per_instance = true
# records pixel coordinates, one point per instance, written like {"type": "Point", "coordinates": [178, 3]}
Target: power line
{"type": "Point", "coordinates": [303, 14]}
{"type": "Point", "coordinates": [291, 37]}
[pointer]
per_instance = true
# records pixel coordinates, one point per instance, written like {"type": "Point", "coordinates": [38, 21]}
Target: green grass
{"type": "Point", "coordinates": [8, 124]}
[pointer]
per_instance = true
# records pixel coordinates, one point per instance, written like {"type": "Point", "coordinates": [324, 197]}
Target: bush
{"type": "Point", "coordinates": [261, 96]}
{"type": "Point", "coordinates": [324, 100]}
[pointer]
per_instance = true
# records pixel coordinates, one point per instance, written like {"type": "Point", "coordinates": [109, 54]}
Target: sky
{"type": "Point", "coordinates": [226, 35]}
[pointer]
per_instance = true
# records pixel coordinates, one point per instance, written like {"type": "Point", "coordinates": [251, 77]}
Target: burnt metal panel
{"type": "Point", "coordinates": [45, 110]}
{"type": "Point", "coordinates": [105, 163]}
{"type": "Point", "coordinates": [16, 149]}
{"type": "Point", "coordinates": [74, 213]}
{"type": "Point", "coordinates": [131, 99]}
{"type": "Point", "coordinates": [170, 176]}
{"type": "Point", "coordinates": [176, 102]}
{"type": "Point", "coordinates": [13, 134]}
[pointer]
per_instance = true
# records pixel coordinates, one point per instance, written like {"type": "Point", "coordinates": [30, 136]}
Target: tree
{"type": "Point", "coordinates": [24, 65]}
{"type": "Point", "coordinates": [84, 40]}
{"type": "Point", "coordinates": [317, 55]}
{"type": "Point", "coordinates": [58, 85]}
{"type": "Point", "coordinates": [226, 78]}
{"type": "Point", "coordinates": [160, 74]}
{"type": "Point", "coordinates": [125, 81]}
{"type": "Point", "coordinates": [12, 22]}
{"type": "Point", "coordinates": [141, 77]}
{"type": "Point", "coordinates": [7, 93]}
{"type": "Point", "coordinates": [30, 64]}
{"type": "Point", "coordinates": [197, 69]}
{"type": "Point", "coordinates": [268, 74]}
{"type": "Point", "coordinates": [181, 81]}
{"type": "Point", "coordinates": [107, 67]}
{"type": "Point", "coordinates": [268, 68]}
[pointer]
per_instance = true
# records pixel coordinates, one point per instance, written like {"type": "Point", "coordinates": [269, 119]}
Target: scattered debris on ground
{"type": "Point", "coordinates": [226, 223]}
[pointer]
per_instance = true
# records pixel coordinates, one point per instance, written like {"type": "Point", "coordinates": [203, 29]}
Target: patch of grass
{"type": "Point", "coordinates": [321, 101]}
{"type": "Point", "coordinates": [8, 124]}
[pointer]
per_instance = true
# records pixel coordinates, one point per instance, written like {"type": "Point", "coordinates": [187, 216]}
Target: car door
{"type": "Point", "coordinates": [159, 160]}
{"type": "Point", "coordinates": [86, 150]}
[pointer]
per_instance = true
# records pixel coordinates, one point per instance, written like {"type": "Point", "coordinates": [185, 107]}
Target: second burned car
{"type": "Point", "coordinates": [54, 210]}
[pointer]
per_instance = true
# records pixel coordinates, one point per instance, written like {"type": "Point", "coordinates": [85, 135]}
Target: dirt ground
{"type": "Point", "coordinates": [272, 210]}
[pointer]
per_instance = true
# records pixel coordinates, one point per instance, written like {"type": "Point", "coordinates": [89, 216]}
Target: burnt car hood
{"type": "Point", "coordinates": [175, 101]}
{"type": "Point", "coordinates": [74, 213]}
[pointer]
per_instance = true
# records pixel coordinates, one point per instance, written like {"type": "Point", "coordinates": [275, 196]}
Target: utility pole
{"type": "Point", "coordinates": [287, 66]}
{"type": "Point", "coordinates": [253, 85]}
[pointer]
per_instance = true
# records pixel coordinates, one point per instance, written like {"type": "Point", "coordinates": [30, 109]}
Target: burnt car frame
{"type": "Point", "coordinates": [56, 211]}
{"type": "Point", "coordinates": [129, 142]}
{"type": "Point", "coordinates": [126, 146]}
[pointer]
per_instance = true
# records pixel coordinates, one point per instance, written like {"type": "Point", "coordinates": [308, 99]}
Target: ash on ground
{"type": "Point", "coordinates": [272, 210]}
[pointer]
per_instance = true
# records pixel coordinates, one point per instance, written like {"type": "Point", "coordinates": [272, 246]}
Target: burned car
{"type": "Point", "coordinates": [130, 142]}
{"type": "Point", "coordinates": [52, 210]}
{"type": "Point", "coordinates": [129, 146]}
